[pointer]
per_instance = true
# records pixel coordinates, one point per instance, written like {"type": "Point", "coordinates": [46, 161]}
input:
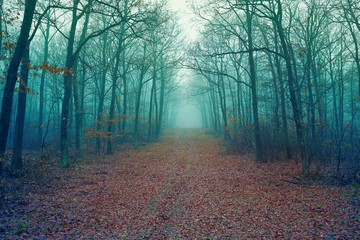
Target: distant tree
{"type": "Point", "coordinates": [71, 59]}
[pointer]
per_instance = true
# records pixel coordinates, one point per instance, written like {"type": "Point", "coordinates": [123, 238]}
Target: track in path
{"type": "Point", "coordinates": [182, 187]}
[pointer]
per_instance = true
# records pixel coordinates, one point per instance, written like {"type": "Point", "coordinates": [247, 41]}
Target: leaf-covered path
{"type": "Point", "coordinates": [183, 187]}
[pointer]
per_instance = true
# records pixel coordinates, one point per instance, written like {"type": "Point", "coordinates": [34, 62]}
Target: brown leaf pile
{"type": "Point", "coordinates": [179, 188]}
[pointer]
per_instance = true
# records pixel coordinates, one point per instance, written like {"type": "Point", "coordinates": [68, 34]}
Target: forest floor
{"type": "Point", "coordinates": [185, 186]}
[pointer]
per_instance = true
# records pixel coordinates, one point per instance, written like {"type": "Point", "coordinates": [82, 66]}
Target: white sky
{"type": "Point", "coordinates": [185, 18]}
{"type": "Point", "coordinates": [188, 115]}
{"type": "Point", "coordinates": [178, 4]}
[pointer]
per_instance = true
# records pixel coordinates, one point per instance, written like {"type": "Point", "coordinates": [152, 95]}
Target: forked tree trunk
{"type": "Point", "coordinates": [297, 112]}
{"type": "Point", "coordinates": [114, 76]}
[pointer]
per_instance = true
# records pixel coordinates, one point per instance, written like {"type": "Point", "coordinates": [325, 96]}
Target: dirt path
{"type": "Point", "coordinates": [183, 187]}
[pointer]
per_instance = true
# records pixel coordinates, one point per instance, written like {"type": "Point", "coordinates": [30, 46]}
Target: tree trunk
{"type": "Point", "coordinates": [161, 106]}
{"type": "Point", "coordinates": [125, 103]}
{"type": "Point", "coordinates": [282, 99]}
{"type": "Point", "coordinates": [293, 98]}
{"type": "Point", "coordinates": [310, 92]}
{"type": "Point", "coordinates": [258, 146]}
{"type": "Point", "coordinates": [153, 89]}
{"type": "Point", "coordinates": [113, 95]}
{"type": "Point", "coordinates": [42, 84]}
{"type": "Point", "coordinates": [137, 108]}
{"type": "Point", "coordinates": [70, 60]}
{"type": "Point", "coordinates": [100, 112]}
{"type": "Point", "coordinates": [78, 100]}
{"type": "Point", "coordinates": [11, 78]}
{"type": "Point", "coordinates": [16, 163]}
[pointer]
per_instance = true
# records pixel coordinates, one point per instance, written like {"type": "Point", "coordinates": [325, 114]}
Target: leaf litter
{"type": "Point", "coordinates": [181, 187]}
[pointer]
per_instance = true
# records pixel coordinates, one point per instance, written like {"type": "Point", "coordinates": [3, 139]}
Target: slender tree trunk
{"type": "Point", "coordinates": [161, 104]}
{"type": "Point", "coordinates": [138, 98]}
{"type": "Point", "coordinates": [214, 111]}
{"type": "Point", "coordinates": [156, 110]}
{"type": "Point", "coordinates": [113, 97]}
{"type": "Point", "coordinates": [80, 115]}
{"type": "Point", "coordinates": [78, 100]}
{"type": "Point", "coordinates": [221, 92]}
{"type": "Point", "coordinates": [275, 86]}
{"type": "Point", "coordinates": [310, 92]}
{"type": "Point", "coordinates": [102, 92]}
{"type": "Point", "coordinates": [258, 145]}
{"type": "Point", "coordinates": [64, 148]}
{"type": "Point", "coordinates": [120, 48]}
{"type": "Point", "coordinates": [233, 113]}
{"type": "Point", "coordinates": [42, 84]}
{"type": "Point", "coordinates": [153, 89]}
{"type": "Point", "coordinates": [109, 149]}
{"type": "Point", "coordinates": [341, 90]}
{"type": "Point", "coordinates": [356, 55]}
{"type": "Point", "coordinates": [282, 99]}
{"type": "Point", "coordinates": [239, 106]}
{"type": "Point", "coordinates": [319, 98]}
{"type": "Point", "coordinates": [161, 107]}
{"type": "Point", "coordinates": [137, 108]}
{"type": "Point", "coordinates": [16, 163]}
{"type": "Point", "coordinates": [125, 103]}
{"type": "Point", "coordinates": [70, 60]}
{"type": "Point", "coordinates": [276, 98]}
{"type": "Point", "coordinates": [78, 110]}
{"type": "Point", "coordinates": [335, 108]}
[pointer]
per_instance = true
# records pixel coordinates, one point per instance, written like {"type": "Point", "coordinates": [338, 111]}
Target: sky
{"type": "Point", "coordinates": [185, 14]}
{"type": "Point", "coordinates": [178, 4]}
{"type": "Point", "coordinates": [188, 115]}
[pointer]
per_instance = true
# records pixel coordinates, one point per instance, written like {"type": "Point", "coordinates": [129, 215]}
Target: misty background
{"type": "Point", "coordinates": [279, 79]}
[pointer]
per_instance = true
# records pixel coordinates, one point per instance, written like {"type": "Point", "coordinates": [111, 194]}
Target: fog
{"type": "Point", "coordinates": [188, 116]}
{"type": "Point", "coordinates": [189, 28]}
{"type": "Point", "coordinates": [98, 79]}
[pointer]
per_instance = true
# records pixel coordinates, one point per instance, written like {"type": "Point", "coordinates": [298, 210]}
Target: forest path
{"type": "Point", "coordinates": [183, 187]}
